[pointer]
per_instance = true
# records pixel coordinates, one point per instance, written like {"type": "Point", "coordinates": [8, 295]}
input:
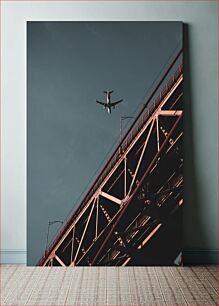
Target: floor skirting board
{"type": "Point", "coordinates": [13, 256]}
{"type": "Point", "coordinates": [190, 257]}
{"type": "Point", "coordinates": [200, 257]}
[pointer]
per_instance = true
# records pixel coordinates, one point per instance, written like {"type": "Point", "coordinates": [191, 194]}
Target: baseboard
{"type": "Point", "coordinates": [13, 256]}
{"type": "Point", "coordinates": [200, 257]}
{"type": "Point", "coordinates": [190, 257]}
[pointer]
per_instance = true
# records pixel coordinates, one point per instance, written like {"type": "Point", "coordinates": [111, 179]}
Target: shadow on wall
{"type": "Point", "coordinates": [193, 232]}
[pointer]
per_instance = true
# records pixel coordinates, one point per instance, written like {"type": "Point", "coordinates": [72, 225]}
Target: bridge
{"type": "Point", "coordinates": [132, 214]}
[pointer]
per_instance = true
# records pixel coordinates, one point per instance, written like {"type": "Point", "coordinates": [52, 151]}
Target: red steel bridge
{"type": "Point", "coordinates": [132, 214]}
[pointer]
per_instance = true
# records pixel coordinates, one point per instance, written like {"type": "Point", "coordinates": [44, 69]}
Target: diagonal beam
{"type": "Point", "coordinates": [170, 112]}
{"type": "Point", "coordinates": [60, 261]}
{"type": "Point", "coordinates": [140, 158]}
{"type": "Point", "coordinates": [101, 233]}
{"type": "Point", "coordinates": [158, 135]}
{"type": "Point", "coordinates": [149, 236]}
{"type": "Point", "coordinates": [72, 243]}
{"type": "Point", "coordinates": [126, 261]}
{"type": "Point", "coordinates": [144, 242]}
{"type": "Point", "coordinates": [110, 197]}
{"type": "Point", "coordinates": [175, 141]}
{"type": "Point", "coordinates": [113, 184]}
{"type": "Point", "coordinates": [177, 99]}
{"type": "Point", "coordinates": [84, 232]}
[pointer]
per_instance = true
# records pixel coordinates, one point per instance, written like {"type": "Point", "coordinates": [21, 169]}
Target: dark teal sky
{"type": "Point", "coordinates": [69, 64]}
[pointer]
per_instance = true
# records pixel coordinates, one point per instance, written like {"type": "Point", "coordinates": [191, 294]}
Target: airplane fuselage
{"type": "Point", "coordinates": [108, 105]}
{"type": "Point", "coordinates": [108, 102]}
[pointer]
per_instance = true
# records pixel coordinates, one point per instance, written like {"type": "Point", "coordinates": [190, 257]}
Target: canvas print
{"type": "Point", "coordinates": [104, 143]}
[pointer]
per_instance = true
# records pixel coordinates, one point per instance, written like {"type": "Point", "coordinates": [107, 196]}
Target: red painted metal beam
{"type": "Point", "coordinates": [136, 189]}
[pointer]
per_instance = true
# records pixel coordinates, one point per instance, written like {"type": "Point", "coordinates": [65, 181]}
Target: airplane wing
{"type": "Point", "coordinates": [117, 102]}
{"type": "Point", "coordinates": [100, 103]}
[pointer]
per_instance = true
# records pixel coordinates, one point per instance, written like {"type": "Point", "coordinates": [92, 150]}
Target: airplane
{"type": "Point", "coordinates": [108, 104]}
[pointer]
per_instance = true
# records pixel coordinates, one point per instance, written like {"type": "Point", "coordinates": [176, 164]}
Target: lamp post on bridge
{"type": "Point", "coordinates": [47, 237]}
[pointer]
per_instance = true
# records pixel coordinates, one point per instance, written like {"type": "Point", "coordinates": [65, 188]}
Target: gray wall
{"type": "Point", "coordinates": [201, 216]}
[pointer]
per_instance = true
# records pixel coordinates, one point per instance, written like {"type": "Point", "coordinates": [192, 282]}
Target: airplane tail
{"type": "Point", "coordinates": [111, 91]}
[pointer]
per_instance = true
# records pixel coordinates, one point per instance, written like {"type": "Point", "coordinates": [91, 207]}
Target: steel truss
{"type": "Point", "coordinates": [138, 196]}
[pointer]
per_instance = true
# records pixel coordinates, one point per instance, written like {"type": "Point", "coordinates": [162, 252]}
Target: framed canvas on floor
{"type": "Point", "coordinates": [104, 143]}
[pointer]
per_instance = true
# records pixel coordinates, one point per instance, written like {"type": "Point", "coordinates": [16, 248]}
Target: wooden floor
{"type": "Point", "coordinates": [127, 286]}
